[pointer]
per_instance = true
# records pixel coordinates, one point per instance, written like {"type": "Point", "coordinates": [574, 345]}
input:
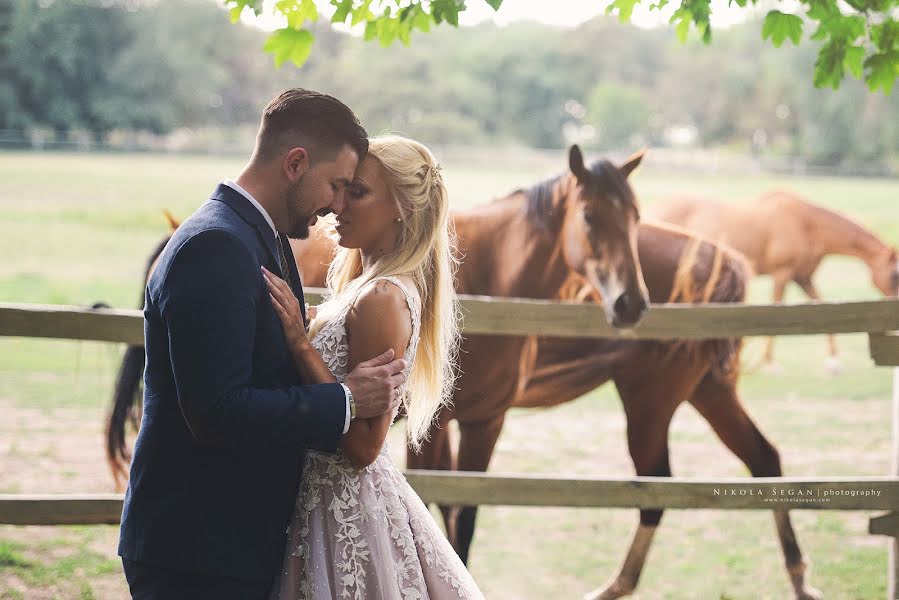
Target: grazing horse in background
{"type": "Point", "coordinates": [786, 237]}
{"type": "Point", "coordinates": [550, 241]}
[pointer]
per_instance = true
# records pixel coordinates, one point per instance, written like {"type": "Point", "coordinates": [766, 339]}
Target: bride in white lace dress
{"type": "Point", "coordinates": [358, 530]}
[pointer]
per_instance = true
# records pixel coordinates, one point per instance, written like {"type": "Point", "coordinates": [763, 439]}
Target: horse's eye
{"type": "Point", "coordinates": [589, 218]}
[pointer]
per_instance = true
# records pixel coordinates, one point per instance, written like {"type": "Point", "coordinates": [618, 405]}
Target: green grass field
{"type": "Point", "coordinates": [75, 229]}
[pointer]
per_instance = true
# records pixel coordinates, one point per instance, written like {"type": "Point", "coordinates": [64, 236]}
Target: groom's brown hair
{"type": "Point", "coordinates": [318, 122]}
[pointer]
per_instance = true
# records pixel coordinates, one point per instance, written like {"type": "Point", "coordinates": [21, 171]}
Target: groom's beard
{"type": "Point", "coordinates": [297, 219]}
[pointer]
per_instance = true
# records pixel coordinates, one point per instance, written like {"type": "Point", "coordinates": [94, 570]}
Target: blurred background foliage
{"type": "Point", "coordinates": [123, 73]}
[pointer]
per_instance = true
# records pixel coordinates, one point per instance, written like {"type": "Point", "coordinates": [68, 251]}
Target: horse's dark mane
{"type": "Point", "coordinates": [539, 202]}
{"type": "Point", "coordinates": [606, 178]}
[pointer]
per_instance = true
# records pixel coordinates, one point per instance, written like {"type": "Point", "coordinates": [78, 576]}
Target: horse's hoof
{"type": "Point", "coordinates": [611, 591]}
{"type": "Point", "coordinates": [833, 365]}
{"type": "Point", "coordinates": [798, 576]}
{"type": "Point", "coordinates": [810, 593]}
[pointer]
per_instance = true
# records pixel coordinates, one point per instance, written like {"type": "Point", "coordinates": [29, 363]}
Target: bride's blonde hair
{"type": "Point", "coordinates": [425, 251]}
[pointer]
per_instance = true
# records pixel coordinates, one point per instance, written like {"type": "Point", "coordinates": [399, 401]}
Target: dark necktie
{"type": "Point", "coordinates": [285, 273]}
{"type": "Point", "coordinates": [282, 260]}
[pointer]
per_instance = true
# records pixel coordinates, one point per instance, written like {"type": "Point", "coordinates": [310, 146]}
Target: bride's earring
{"type": "Point", "coordinates": [399, 234]}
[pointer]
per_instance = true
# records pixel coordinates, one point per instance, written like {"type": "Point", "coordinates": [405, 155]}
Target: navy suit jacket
{"type": "Point", "coordinates": [226, 419]}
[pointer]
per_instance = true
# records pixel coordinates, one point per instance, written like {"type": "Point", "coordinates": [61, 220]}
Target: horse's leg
{"type": "Point", "coordinates": [650, 394]}
{"type": "Point", "coordinates": [717, 401]}
{"type": "Point", "coordinates": [833, 361]}
{"type": "Point", "coordinates": [781, 279]}
{"type": "Point", "coordinates": [476, 444]}
{"type": "Point", "coordinates": [436, 455]}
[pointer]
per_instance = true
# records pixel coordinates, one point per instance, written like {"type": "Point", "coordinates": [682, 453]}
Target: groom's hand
{"type": "Point", "coordinates": [374, 384]}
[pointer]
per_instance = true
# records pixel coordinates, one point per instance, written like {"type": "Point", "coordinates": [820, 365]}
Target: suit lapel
{"type": "Point", "coordinates": [251, 215]}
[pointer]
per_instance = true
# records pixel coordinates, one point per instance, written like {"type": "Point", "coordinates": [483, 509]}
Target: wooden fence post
{"type": "Point", "coordinates": [893, 557]}
{"type": "Point", "coordinates": [888, 524]}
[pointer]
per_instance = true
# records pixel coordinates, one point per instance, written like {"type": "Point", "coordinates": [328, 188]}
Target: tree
{"type": "Point", "coordinates": [857, 37]}
{"type": "Point", "coordinates": [185, 66]}
{"type": "Point", "coordinates": [12, 115]}
{"type": "Point", "coordinates": [97, 67]}
{"type": "Point", "coordinates": [619, 112]}
{"type": "Point", "coordinates": [57, 64]}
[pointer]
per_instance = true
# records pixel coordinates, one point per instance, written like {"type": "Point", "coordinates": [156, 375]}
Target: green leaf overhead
{"type": "Point", "coordinates": [882, 71]}
{"type": "Point", "coordinates": [780, 26]}
{"type": "Point", "coordinates": [857, 38]}
{"type": "Point", "coordinates": [297, 12]}
{"type": "Point", "coordinates": [290, 44]}
{"type": "Point", "coordinates": [855, 55]}
{"type": "Point", "coordinates": [624, 7]}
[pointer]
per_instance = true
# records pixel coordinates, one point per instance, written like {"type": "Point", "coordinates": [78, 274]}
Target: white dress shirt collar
{"type": "Point", "coordinates": [234, 186]}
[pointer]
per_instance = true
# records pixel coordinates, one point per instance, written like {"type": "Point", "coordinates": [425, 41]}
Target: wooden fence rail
{"type": "Point", "coordinates": [512, 316]}
{"type": "Point", "coordinates": [765, 493]}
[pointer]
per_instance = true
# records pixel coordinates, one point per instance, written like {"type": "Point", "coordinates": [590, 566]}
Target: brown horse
{"type": "Point", "coordinates": [535, 243]}
{"type": "Point", "coordinates": [677, 267]}
{"type": "Point", "coordinates": [786, 237]}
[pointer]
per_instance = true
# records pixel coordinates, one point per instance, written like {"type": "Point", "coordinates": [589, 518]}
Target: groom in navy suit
{"type": "Point", "coordinates": [227, 419]}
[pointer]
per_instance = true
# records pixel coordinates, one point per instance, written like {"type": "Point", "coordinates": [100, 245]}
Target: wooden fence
{"type": "Point", "coordinates": [515, 316]}
{"type": "Point", "coordinates": [484, 315]}
{"type": "Point", "coordinates": [817, 493]}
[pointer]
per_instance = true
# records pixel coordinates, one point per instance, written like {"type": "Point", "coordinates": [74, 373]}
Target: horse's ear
{"type": "Point", "coordinates": [576, 163]}
{"type": "Point", "coordinates": [173, 222]}
{"type": "Point", "coordinates": [632, 163]}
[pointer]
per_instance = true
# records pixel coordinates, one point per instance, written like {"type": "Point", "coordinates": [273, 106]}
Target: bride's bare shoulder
{"type": "Point", "coordinates": [409, 284]}
{"type": "Point", "coordinates": [388, 287]}
{"type": "Point", "coordinates": [381, 306]}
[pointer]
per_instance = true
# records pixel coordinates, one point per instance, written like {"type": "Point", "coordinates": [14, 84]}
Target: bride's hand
{"type": "Point", "coordinates": [287, 307]}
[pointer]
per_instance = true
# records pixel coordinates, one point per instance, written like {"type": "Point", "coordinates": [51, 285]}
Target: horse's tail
{"type": "Point", "coordinates": [706, 273]}
{"type": "Point", "coordinates": [125, 397]}
{"type": "Point", "coordinates": [125, 409]}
